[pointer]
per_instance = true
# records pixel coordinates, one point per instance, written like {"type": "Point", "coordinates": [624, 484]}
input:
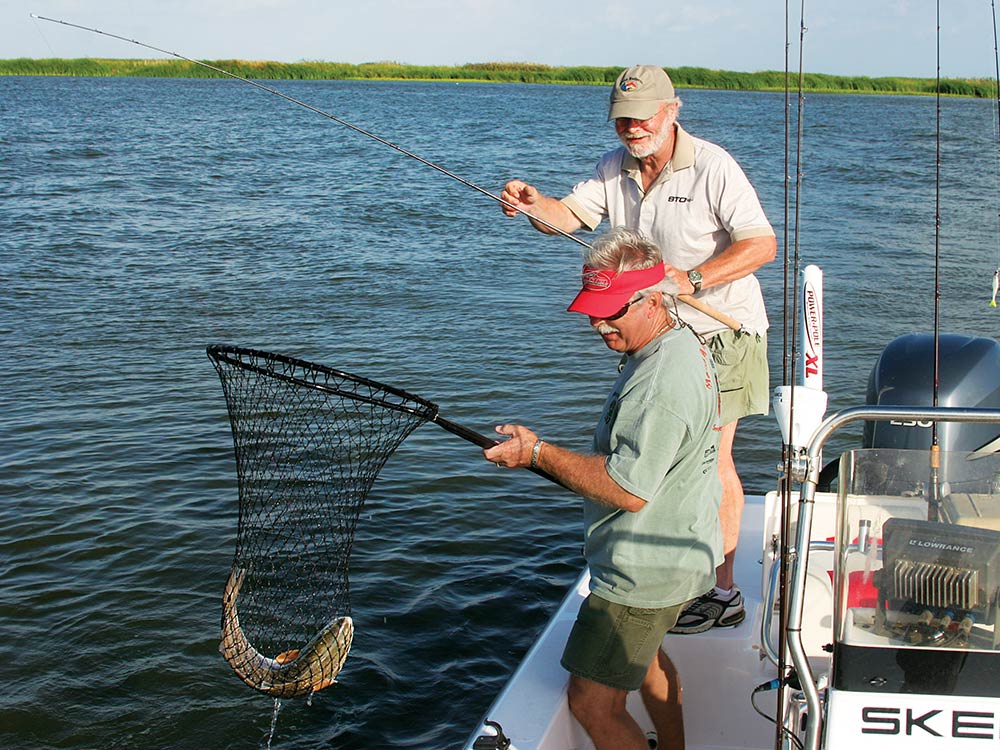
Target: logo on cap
{"type": "Point", "coordinates": [597, 281]}
{"type": "Point", "coordinates": [630, 84]}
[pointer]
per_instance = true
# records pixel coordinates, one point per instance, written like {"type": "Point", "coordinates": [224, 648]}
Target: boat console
{"type": "Point", "coordinates": [916, 591]}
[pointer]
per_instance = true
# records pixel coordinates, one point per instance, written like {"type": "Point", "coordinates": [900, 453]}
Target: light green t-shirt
{"type": "Point", "coordinates": [660, 431]}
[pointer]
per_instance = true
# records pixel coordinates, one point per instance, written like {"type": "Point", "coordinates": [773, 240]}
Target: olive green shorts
{"type": "Point", "coordinates": [741, 364]}
{"type": "Point", "coordinates": [614, 645]}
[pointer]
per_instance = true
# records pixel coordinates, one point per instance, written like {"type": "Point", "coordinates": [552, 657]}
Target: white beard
{"type": "Point", "coordinates": [651, 146]}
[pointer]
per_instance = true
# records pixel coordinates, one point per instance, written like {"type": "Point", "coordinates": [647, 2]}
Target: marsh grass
{"type": "Point", "coordinates": [499, 72]}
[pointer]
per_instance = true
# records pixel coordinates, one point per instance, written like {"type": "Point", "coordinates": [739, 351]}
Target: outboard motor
{"type": "Point", "coordinates": [969, 376]}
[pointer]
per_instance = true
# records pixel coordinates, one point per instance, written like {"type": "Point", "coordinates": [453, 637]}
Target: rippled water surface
{"type": "Point", "coordinates": [144, 219]}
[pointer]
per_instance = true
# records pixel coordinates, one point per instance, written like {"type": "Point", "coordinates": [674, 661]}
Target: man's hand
{"type": "Point", "coordinates": [520, 195]}
{"type": "Point", "coordinates": [547, 214]}
{"type": "Point", "coordinates": [515, 452]}
{"type": "Point", "coordinates": [677, 280]}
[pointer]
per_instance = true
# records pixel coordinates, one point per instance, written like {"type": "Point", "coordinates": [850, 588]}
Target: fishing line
{"type": "Point", "coordinates": [687, 299]}
{"type": "Point", "coordinates": [41, 33]}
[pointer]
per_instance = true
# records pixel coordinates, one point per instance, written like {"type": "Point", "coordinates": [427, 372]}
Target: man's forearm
{"type": "Point", "coordinates": [587, 476]}
{"type": "Point", "coordinates": [740, 259]}
{"type": "Point", "coordinates": [555, 213]}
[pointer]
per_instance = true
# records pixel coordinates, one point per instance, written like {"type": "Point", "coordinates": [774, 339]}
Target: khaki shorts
{"type": "Point", "coordinates": [614, 645]}
{"type": "Point", "coordinates": [741, 364]}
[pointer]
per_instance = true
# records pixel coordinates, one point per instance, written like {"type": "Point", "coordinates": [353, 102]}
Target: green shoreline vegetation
{"type": "Point", "coordinates": [683, 77]}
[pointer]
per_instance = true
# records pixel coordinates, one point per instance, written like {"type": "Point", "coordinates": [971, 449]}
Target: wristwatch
{"type": "Point", "coordinates": [695, 278]}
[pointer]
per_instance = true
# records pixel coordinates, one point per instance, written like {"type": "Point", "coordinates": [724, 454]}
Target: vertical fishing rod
{"type": "Point", "coordinates": [687, 299]}
{"type": "Point", "coordinates": [935, 451]}
{"type": "Point", "coordinates": [996, 79]}
{"type": "Point", "coordinates": [785, 482]}
{"type": "Point", "coordinates": [798, 193]}
{"type": "Point", "coordinates": [996, 189]}
{"type": "Point", "coordinates": [785, 479]}
{"type": "Point", "coordinates": [784, 341]}
{"type": "Point", "coordinates": [789, 356]}
{"type": "Point", "coordinates": [937, 218]}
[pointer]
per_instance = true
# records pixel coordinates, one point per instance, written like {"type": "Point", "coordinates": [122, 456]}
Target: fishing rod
{"type": "Point", "coordinates": [687, 299]}
{"type": "Point", "coordinates": [934, 499]}
{"type": "Point", "coordinates": [789, 365]}
{"type": "Point", "coordinates": [318, 111]}
{"type": "Point", "coordinates": [996, 62]}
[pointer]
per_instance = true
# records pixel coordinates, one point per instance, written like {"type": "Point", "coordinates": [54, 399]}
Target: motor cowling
{"type": "Point", "coordinates": [903, 375]}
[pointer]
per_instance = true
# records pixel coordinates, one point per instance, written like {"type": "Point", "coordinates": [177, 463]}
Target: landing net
{"type": "Point", "coordinates": [310, 442]}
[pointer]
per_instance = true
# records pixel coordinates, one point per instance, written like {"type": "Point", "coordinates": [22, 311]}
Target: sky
{"type": "Point", "coordinates": [845, 37]}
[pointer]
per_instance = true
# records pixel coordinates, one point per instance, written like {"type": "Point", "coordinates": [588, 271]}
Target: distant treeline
{"type": "Point", "coordinates": [684, 77]}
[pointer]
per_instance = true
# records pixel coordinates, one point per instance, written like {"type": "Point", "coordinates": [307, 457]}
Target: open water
{"type": "Point", "coordinates": [141, 220]}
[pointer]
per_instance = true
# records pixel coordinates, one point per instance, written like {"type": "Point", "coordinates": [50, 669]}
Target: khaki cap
{"type": "Point", "coordinates": [639, 91]}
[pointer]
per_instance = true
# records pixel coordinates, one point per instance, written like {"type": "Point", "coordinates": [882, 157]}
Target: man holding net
{"type": "Point", "coordinates": [651, 494]}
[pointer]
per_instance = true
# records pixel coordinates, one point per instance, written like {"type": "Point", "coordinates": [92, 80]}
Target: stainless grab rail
{"type": "Point", "coordinates": [800, 554]}
{"type": "Point", "coordinates": [767, 644]}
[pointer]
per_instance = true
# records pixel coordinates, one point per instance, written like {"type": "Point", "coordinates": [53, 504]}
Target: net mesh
{"type": "Point", "coordinates": [309, 442]}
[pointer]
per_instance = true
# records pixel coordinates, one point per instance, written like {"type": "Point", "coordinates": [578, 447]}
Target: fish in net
{"type": "Point", "coordinates": [309, 442]}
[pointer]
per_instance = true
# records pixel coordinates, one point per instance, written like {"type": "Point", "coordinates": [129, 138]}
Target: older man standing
{"type": "Point", "coordinates": [650, 490]}
{"type": "Point", "coordinates": [693, 200]}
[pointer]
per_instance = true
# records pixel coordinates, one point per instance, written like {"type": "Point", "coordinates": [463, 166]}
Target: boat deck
{"type": "Point", "coordinates": [718, 668]}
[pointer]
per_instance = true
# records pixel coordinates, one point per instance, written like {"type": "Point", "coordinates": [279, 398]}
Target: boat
{"type": "Point", "coordinates": [872, 593]}
{"type": "Point", "coordinates": [889, 617]}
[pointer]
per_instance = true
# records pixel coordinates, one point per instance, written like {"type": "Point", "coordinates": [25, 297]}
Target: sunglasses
{"type": "Point", "coordinates": [624, 309]}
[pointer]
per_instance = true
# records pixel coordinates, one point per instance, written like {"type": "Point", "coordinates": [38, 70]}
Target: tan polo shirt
{"type": "Point", "coordinates": [700, 204]}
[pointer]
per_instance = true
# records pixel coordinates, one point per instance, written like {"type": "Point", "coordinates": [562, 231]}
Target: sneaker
{"type": "Point", "coordinates": [709, 611]}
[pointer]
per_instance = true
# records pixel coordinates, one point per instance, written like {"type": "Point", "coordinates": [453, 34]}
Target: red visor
{"type": "Point", "coordinates": [605, 292]}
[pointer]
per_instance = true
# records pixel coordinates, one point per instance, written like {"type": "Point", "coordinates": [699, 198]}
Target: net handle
{"type": "Point", "coordinates": [484, 442]}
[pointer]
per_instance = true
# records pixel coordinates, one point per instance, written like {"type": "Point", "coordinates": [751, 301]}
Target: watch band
{"type": "Point", "coordinates": [534, 453]}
